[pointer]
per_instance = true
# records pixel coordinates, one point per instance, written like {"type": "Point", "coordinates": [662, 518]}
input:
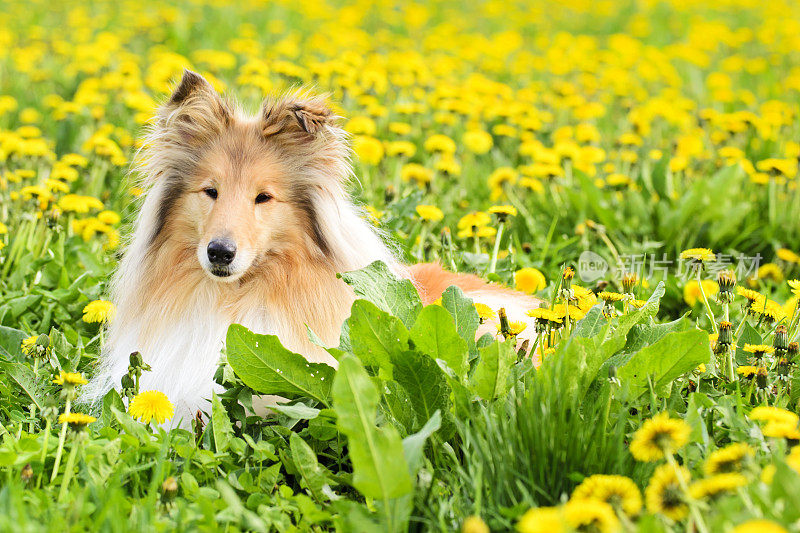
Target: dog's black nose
{"type": "Point", "coordinates": [221, 252]}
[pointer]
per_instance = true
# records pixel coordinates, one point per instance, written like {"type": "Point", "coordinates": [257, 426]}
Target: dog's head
{"type": "Point", "coordinates": [241, 190]}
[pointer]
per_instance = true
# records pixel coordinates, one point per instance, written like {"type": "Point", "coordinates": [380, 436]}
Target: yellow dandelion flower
{"type": "Point", "coordinates": [698, 254]}
{"type": "Point", "coordinates": [759, 526]}
{"type": "Point", "coordinates": [484, 311]}
{"type": "Point", "coordinates": [758, 349]}
{"type": "Point", "coordinates": [775, 167]}
{"type": "Point", "coordinates": [529, 280]}
{"type": "Point", "coordinates": [474, 524]}
{"type": "Point", "coordinates": [659, 435]}
{"type": "Point", "coordinates": [610, 297]}
{"type": "Point", "coordinates": [750, 295]}
{"type": "Point", "coordinates": [618, 491]}
{"type": "Point", "coordinates": [416, 172]}
{"type": "Point", "coordinates": [99, 311]}
{"type": "Point", "coordinates": [76, 421]}
{"type": "Point", "coordinates": [514, 328]}
{"type": "Point", "coordinates": [542, 520]}
{"type": "Point", "coordinates": [692, 293]}
{"type": "Point", "coordinates": [591, 515]}
{"type": "Point", "coordinates": [475, 219]}
{"type": "Point", "coordinates": [440, 144]}
{"type": "Point", "coordinates": [747, 371]}
{"type": "Point", "coordinates": [575, 312]}
{"type": "Point", "coordinates": [727, 459]}
{"type": "Point", "coordinates": [430, 213]}
{"type": "Point", "coordinates": [108, 217]}
{"type": "Point", "coordinates": [368, 149]}
{"type": "Point", "coordinates": [794, 284]}
{"type": "Point", "coordinates": [770, 271]}
{"type": "Point", "coordinates": [28, 344]}
{"type": "Point", "coordinates": [781, 430]}
{"type": "Point", "coordinates": [79, 204]}
{"type": "Point", "coordinates": [663, 494]}
{"type": "Point", "coordinates": [478, 141]}
{"type": "Point", "coordinates": [151, 405]}
{"type": "Point", "coordinates": [503, 210]}
{"type": "Point", "coordinates": [787, 255]}
{"type": "Point", "coordinates": [501, 176]}
{"type": "Point", "coordinates": [716, 485]}
{"type": "Point", "coordinates": [70, 379]}
{"type": "Point", "coordinates": [543, 314]}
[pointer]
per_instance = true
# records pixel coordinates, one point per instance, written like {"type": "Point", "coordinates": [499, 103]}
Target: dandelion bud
{"type": "Point", "coordinates": [135, 359]}
{"type": "Point", "coordinates": [761, 378]}
{"type": "Point", "coordinates": [727, 282]}
{"type": "Point", "coordinates": [127, 382]}
{"type": "Point", "coordinates": [782, 369]}
{"type": "Point", "coordinates": [389, 194]}
{"type": "Point", "coordinates": [792, 351]}
{"type": "Point", "coordinates": [27, 473]}
{"type": "Point", "coordinates": [781, 340]}
{"type": "Point", "coordinates": [566, 282]}
{"type": "Point", "coordinates": [725, 333]}
{"type": "Point", "coordinates": [523, 350]}
{"type": "Point", "coordinates": [169, 489]}
{"type": "Point", "coordinates": [504, 326]}
{"type": "Point", "coordinates": [629, 281]}
{"type": "Point", "coordinates": [43, 341]}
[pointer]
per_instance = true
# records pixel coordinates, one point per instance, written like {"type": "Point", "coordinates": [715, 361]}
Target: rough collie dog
{"type": "Point", "coordinates": [245, 220]}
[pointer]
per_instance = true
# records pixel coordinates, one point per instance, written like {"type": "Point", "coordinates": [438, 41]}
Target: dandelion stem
{"type": "Point", "coordinates": [61, 439]}
{"type": "Point", "coordinates": [696, 516]}
{"type": "Point", "coordinates": [33, 404]}
{"type": "Point", "coordinates": [496, 249]}
{"type": "Point", "coordinates": [705, 302]}
{"type": "Point", "coordinates": [45, 442]}
{"type": "Point", "coordinates": [70, 466]}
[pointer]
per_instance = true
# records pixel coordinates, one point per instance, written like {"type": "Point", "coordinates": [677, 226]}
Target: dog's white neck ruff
{"type": "Point", "coordinates": [183, 348]}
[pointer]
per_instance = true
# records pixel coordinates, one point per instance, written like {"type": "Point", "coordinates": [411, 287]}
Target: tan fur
{"type": "Point", "coordinates": [174, 307]}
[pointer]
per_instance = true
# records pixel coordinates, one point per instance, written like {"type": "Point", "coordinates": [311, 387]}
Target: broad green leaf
{"type": "Point", "coordinates": [434, 333]}
{"type": "Point", "coordinates": [583, 357]}
{"type": "Point", "coordinates": [131, 426]}
{"type": "Point", "coordinates": [464, 314]}
{"type": "Point", "coordinates": [749, 335]}
{"type": "Point", "coordinates": [592, 324]}
{"type": "Point", "coordinates": [311, 472]}
{"type": "Point", "coordinates": [426, 386]}
{"type": "Point", "coordinates": [674, 355]}
{"type": "Point", "coordinates": [375, 335]}
{"type": "Point", "coordinates": [414, 445]}
{"type": "Point", "coordinates": [378, 285]}
{"type": "Point", "coordinates": [111, 399]}
{"type": "Point", "coordinates": [380, 470]}
{"type": "Point", "coordinates": [264, 365]}
{"type": "Point", "coordinates": [396, 407]}
{"type": "Point", "coordinates": [11, 341]}
{"type": "Point", "coordinates": [299, 412]}
{"type": "Point", "coordinates": [642, 335]}
{"type": "Point", "coordinates": [490, 379]}
{"type": "Point", "coordinates": [221, 425]}
{"type": "Point", "coordinates": [25, 379]}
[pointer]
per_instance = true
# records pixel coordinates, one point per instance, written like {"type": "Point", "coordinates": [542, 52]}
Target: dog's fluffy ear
{"type": "Point", "coordinates": [296, 115]}
{"type": "Point", "coordinates": [195, 112]}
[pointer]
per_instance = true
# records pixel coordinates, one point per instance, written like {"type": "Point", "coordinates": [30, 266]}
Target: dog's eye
{"type": "Point", "coordinates": [211, 192]}
{"type": "Point", "coordinates": [263, 197]}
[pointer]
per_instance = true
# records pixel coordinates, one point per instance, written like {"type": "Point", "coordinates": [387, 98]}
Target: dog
{"type": "Point", "coordinates": [246, 219]}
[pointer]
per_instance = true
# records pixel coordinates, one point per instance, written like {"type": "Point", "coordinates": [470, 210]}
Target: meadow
{"type": "Point", "coordinates": [634, 163]}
